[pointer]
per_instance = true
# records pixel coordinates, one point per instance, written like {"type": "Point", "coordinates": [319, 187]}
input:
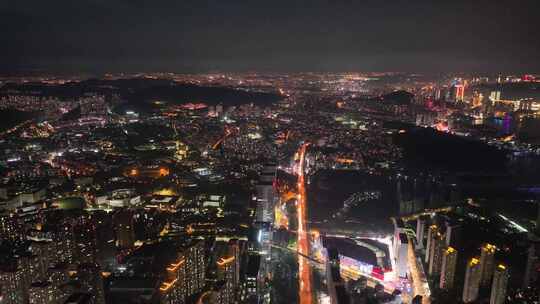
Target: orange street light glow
{"type": "Point", "coordinates": [224, 261]}
{"type": "Point", "coordinates": [167, 285]}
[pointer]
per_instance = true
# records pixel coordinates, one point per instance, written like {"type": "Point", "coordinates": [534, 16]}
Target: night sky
{"type": "Point", "coordinates": [233, 35]}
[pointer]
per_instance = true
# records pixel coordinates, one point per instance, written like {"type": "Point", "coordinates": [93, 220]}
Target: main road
{"type": "Point", "coordinates": [304, 267]}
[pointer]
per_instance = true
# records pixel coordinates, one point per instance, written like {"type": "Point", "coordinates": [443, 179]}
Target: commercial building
{"type": "Point", "coordinates": [473, 275]}
{"type": "Point", "coordinates": [360, 257]}
{"type": "Point", "coordinates": [401, 256]}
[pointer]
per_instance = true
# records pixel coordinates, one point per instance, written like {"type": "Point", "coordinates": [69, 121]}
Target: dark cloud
{"type": "Point", "coordinates": [200, 35]}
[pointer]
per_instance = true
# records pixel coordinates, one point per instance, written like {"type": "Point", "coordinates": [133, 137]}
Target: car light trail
{"type": "Point", "coordinates": [304, 267]}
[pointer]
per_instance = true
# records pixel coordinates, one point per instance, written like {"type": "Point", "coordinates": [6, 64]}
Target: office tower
{"type": "Point", "coordinates": [459, 92]}
{"type": "Point", "coordinates": [265, 194]}
{"type": "Point", "coordinates": [436, 253]}
{"type": "Point", "coordinates": [473, 274]}
{"type": "Point", "coordinates": [487, 263]}
{"type": "Point", "coordinates": [433, 230]}
{"type": "Point", "coordinates": [420, 228]}
{"type": "Point", "coordinates": [499, 285]}
{"type": "Point", "coordinates": [448, 268]}
{"type": "Point", "coordinates": [124, 228]}
{"type": "Point", "coordinates": [13, 289]}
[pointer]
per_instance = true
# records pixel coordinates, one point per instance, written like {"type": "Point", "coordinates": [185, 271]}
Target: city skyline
{"type": "Point", "coordinates": [279, 152]}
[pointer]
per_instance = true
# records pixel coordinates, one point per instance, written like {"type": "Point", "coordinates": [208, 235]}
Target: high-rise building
{"type": "Point", "coordinates": [459, 92]}
{"type": "Point", "coordinates": [124, 228]}
{"type": "Point", "coordinates": [402, 264]}
{"type": "Point", "coordinates": [66, 247]}
{"type": "Point", "coordinates": [13, 289]}
{"type": "Point", "coordinates": [487, 263]}
{"type": "Point", "coordinates": [44, 255]}
{"type": "Point", "coordinates": [10, 227]}
{"type": "Point", "coordinates": [420, 228]}
{"type": "Point", "coordinates": [473, 274]}
{"type": "Point", "coordinates": [58, 275]}
{"type": "Point", "coordinates": [532, 266]}
{"type": "Point", "coordinates": [196, 264]}
{"type": "Point", "coordinates": [253, 279]}
{"type": "Point", "coordinates": [538, 219]}
{"type": "Point", "coordinates": [185, 276]}
{"type": "Point", "coordinates": [448, 271]}
{"type": "Point", "coordinates": [433, 230]}
{"type": "Point", "coordinates": [477, 99]}
{"type": "Point", "coordinates": [43, 292]}
{"type": "Point", "coordinates": [89, 277]}
{"type": "Point", "coordinates": [229, 271]}
{"type": "Point", "coordinates": [85, 240]}
{"type": "Point", "coordinates": [499, 285]}
{"type": "Point", "coordinates": [495, 95]}
{"type": "Point", "coordinates": [438, 94]}
{"type": "Point", "coordinates": [436, 252]}
{"type": "Point", "coordinates": [453, 233]}
{"type": "Point", "coordinates": [266, 195]}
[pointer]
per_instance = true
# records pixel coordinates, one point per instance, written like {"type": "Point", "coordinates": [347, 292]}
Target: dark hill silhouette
{"type": "Point", "coordinates": [185, 93]}
{"type": "Point", "coordinates": [140, 92]}
{"type": "Point", "coordinates": [398, 98]}
{"type": "Point", "coordinates": [11, 117]}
